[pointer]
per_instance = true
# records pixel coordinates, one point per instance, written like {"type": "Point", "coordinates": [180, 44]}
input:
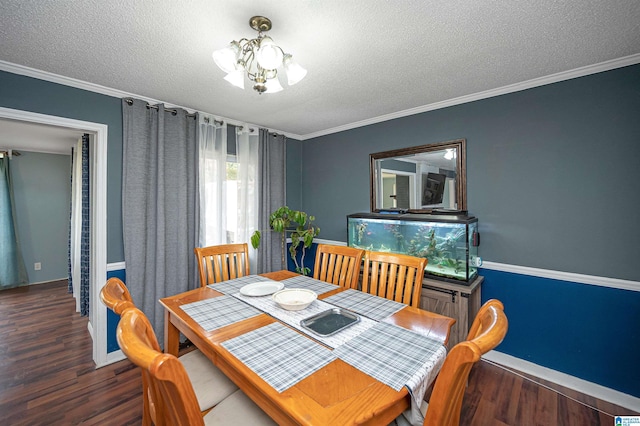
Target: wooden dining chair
{"type": "Point", "coordinates": [171, 390]}
{"type": "Point", "coordinates": [339, 265]}
{"type": "Point", "coordinates": [394, 276]}
{"type": "Point", "coordinates": [222, 262]}
{"type": "Point", "coordinates": [479, 322]}
{"type": "Point", "coordinates": [448, 392]}
{"type": "Point", "coordinates": [116, 296]}
{"type": "Point", "coordinates": [202, 371]}
{"type": "Point", "coordinates": [445, 403]}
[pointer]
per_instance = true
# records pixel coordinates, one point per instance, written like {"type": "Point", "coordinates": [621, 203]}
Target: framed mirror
{"type": "Point", "coordinates": [420, 179]}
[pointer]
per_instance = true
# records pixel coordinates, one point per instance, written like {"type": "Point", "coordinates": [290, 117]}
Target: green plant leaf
{"type": "Point", "coordinates": [308, 238]}
{"type": "Point", "coordinates": [282, 220]}
{"type": "Point", "coordinates": [255, 239]}
{"type": "Point", "coordinates": [278, 224]}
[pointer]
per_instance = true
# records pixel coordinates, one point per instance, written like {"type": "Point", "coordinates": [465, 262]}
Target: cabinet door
{"type": "Point", "coordinates": [443, 302]}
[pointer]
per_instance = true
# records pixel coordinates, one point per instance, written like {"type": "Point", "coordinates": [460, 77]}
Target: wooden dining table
{"type": "Point", "coordinates": [336, 394]}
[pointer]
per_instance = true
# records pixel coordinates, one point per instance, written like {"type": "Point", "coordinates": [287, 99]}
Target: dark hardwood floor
{"type": "Point", "coordinates": [48, 376]}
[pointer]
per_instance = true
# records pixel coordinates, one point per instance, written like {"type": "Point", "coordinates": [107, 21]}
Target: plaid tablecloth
{"type": "Point", "coordinates": [374, 307]}
{"type": "Point", "coordinates": [234, 285]}
{"type": "Point", "coordinates": [218, 312]}
{"type": "Point", "coordinates": [397, 357]}
{"type": "Point", "coordinates": [293, 318]}
{"type": "Point", "coordinates": [279, 355]}
{"type": "Point", "coordinates": [309, 283]}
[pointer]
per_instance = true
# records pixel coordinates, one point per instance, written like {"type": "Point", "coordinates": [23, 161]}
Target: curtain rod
{"type": "Point", "coordinates": [173, 111]}
{"type": "Point", "coordinates": [149, 106]}
{"type": "Point", "coordinates": [206, 119]}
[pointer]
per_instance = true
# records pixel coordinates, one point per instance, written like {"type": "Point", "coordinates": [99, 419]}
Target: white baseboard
{"type": "Point", "coordinates": [543, 273]}
{"type": "Point", "coordinates": [112, 357]}
{"type": "Point", "coordinates": [116, 266]}
{"type": "Point", "coordinates": [90, 328]}
{"type": "Point", "coordinates": [563, 276]}
{"type": "Point", "coordinates": [321, 241]}
{"type": "Point", "coordinates": [597, 391]}
{"type": "Point", "coordinates": [115, 356]}
{"type": "Point", "coordinates": [49, 281]}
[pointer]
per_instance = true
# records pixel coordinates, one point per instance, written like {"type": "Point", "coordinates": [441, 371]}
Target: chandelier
{"type": "Point", "coordinates": [259, 58]}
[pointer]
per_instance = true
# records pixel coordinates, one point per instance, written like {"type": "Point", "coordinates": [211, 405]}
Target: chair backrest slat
{"type": "Point", "coordinates": [339, 265]}
{"type": "Point", "coordinates": [394, 276]}
{"type": "Point", "coordinates": [222, 262]}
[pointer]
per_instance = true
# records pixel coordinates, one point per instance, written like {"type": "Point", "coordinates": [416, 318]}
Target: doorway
{"type": "Point", "coordinates": [97, 325]}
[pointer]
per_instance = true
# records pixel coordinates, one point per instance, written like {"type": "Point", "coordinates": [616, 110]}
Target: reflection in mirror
{"type": "Point", "coordinates": [420, 179]}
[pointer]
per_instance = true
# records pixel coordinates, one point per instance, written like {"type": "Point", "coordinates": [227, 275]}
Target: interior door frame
{"type": "Point", "coordinates": [412, 185]}
{"type": "Point", "coordinates": [98, 192]}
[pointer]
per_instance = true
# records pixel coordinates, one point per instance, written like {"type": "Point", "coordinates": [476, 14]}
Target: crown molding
{"type": "Point", "coordinates": [529, 84]}
{"type": "Point", "coordinates": [108, 91]}
{"type": "Point", "coordinates": [66, 81]}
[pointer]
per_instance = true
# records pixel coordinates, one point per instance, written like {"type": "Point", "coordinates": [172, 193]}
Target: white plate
{"type": "Point", "coordinates": [262, 288]}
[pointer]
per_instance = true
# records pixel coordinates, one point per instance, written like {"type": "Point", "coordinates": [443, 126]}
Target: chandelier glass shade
{"type": "Point", "coordinates": [258, 59]}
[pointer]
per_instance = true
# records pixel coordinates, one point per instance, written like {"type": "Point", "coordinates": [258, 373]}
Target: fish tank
{"type": "Point", "coordinates": [449, 242]}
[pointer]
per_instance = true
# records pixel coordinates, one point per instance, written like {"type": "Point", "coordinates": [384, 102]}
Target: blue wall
{"type": "Point", "coordinates": [112, 318]}
{"type": "Point", "coordinates": [583, 330]}
{"type": "Point", "coordinates": [42, 193]}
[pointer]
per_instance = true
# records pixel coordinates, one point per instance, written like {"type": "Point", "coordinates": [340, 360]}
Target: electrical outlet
{"type": "Point", "coordinates": [37, 266]}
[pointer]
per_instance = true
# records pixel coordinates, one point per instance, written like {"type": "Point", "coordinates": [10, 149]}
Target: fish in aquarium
{"type": "Point", "coordinates": [361, 227]}
{"type": "Point", "coordinates": [444, 243]}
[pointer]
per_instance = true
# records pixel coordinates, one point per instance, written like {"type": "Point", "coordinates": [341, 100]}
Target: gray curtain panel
{"type": "Point", "coordinates": [272, 196]}
{"type": "Point", "coordinates": [159, 189]}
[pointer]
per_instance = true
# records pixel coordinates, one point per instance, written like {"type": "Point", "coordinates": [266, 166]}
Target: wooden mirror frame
{"type": "Point", "coordinates": [461, 170]}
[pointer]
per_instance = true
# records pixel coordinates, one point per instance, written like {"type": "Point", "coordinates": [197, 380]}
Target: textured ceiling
{"type": "Point", "coordinates": [365, 58]}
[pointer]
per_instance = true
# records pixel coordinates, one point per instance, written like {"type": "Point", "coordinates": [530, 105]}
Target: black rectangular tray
{"type": "Point", "coordinates": [330, 321]}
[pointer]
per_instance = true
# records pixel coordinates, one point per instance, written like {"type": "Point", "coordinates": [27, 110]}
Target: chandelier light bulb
{"type": "Point", "coordinates": [227, 57]}
{"type": "Point", "coordinates": [294, 71]}
{"type": "Point", "coordinates": [269, 55]}
{"type": "Point", "coordinates": [236, 78]}
{"type": "Point", "coordinates": [273, 86]}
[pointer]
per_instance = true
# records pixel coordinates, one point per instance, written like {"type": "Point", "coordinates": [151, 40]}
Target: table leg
{"type": "Point", "coordinates": [171, 336]}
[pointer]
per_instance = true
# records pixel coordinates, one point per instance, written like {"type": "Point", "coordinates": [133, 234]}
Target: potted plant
{"type": "Point", "coordinates": [301, 229]}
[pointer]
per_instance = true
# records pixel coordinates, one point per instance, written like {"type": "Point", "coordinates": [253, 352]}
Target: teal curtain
{"type": "Point", "coordinates": [12, 270]}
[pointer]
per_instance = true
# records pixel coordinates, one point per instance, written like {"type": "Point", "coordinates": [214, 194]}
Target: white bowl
{"type": "Point", "coordinates": [294, 299]}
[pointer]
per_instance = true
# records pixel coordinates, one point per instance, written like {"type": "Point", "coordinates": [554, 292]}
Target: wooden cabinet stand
{"type": "Point", "coordinates": [457, 301]}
